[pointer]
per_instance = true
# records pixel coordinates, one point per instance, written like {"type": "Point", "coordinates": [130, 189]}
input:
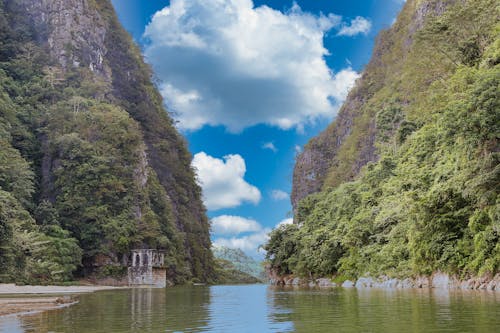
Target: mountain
{"type": "Point", "coordinates": [228, 273]}
{"type": "Point", "coordinates": [240, 261]}
{"type": "Point", "coordinates": [406, 180]}
{"type": "Point", "coordinates": [91, 164]}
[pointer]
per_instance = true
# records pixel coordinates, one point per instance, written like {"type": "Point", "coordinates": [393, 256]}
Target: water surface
{"type": "Point", "coordinates": [261, 308]}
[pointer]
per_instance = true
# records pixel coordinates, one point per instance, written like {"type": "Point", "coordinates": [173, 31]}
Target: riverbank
{"type": "Point", "coordinates": [437, 280]}
{"type": "Point", "coordinates": [29, 305]}
{"type": "Point", "coordinates": [10, 288]}
{"type": "Point", "coordinates": [27, 299]}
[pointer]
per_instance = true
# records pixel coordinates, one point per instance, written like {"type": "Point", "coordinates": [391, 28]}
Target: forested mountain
{"type": "Point", "coordinates": [240, 261]}
{"type": "Point", "coordinates": [91, 165]}
{"type": "Point", "coordinates": [406, 180]}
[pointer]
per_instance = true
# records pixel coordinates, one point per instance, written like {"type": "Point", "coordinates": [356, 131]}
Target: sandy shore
{"type": "Point", "coordinates": [13, 289]}
{"type": "Point", "coordinates": [10, 306]}
{"type": "Point", "coordinates": [25, 300]}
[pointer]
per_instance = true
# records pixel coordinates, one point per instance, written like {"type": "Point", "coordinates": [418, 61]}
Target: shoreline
{"type": "Point", "coordinates": [437, 280]}
{"type": "Point", "coordinates": [24, 300]}
{"type": "Point", "coordinates": [13, 289]}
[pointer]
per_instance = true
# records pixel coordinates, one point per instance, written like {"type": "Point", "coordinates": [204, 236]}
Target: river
{"type": "Point", "coordinates": [262, 308]}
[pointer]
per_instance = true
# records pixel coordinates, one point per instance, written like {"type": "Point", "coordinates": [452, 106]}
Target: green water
{"type": "Point", "coordinates": [260, 308]}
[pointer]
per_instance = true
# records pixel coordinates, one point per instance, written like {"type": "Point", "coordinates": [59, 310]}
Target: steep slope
{"type": "Point", "coordinates": [406, 181]}
{"type": "Point", "coordinates": [338, 153]}
{"type": "Point", "coordinates": [240, 261]}
{"type": "Point", "coordinates": [90, 149]}
{"type": "Point", "coordinates": [229, 273]}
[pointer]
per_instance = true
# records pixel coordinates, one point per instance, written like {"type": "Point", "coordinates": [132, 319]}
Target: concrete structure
{"type": "Point", "coordinates": [147, 268]}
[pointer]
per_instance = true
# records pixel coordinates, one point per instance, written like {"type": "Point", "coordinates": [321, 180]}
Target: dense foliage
{"type": "Point", "coordinates": [90, 168]}
{"type": "Point", "coordinates": [431, 202]}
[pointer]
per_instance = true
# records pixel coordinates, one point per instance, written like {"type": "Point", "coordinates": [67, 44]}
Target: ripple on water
{"type": "Point", "coordinates": [260, 308]}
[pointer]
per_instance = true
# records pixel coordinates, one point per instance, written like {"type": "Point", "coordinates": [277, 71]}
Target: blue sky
{"type": "Point", "coordinates": [250, 83]}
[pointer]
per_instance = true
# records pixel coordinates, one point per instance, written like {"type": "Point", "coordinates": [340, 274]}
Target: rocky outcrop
{"type": "Point", "coordinates": [313, 164]}
{"type": "Point", "coordinates": [75, 33]}
{"type": "Point", "coordinates": [437, 280]}
{"type": "Point", "coordinates": [298, 282]}
{"type": "Point", "coordinates": [79, 49]}
{"type": "Point", "coordinates": [339, 153]}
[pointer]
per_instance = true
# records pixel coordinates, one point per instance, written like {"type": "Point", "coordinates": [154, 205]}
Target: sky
{"type": "Point", "coordinates": [249, 83]}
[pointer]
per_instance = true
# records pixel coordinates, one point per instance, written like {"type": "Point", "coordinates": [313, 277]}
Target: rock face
{"type": "Point", "coordinates": [96, 91]}
{"type": "Point", "coordinates": [338, 153]}
{"type": "Point", "coordinates": [319, 156]}
{"type": "Point", "coordinates": [437, 280]}
{"type": "Point", "coordinates": [348, 284]}
{"type": "Point", "coordinates": [75, 33]}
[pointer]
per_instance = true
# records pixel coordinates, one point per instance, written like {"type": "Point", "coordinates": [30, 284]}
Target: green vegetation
{"type": "Point", "coordinates": [431, 201]}
{"type": "Point", "coordinates": [229, 273]}
{"type": "Point", "coordinates": [241, 261]}
{"type": "Point", "coordinates": [90, 165]}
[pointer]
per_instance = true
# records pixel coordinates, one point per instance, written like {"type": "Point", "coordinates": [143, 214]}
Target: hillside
{"type": "Point", "coordinates": [91, 165]}
{"type": "Point", "coordinates": [240, 260]}
{"type": "Point", "coordinates": [406, 180]}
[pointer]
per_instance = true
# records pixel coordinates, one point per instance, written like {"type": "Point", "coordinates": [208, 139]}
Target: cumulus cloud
{"type": "Point", "coordinates": [248, 243]}
{"type": "Point", "coordinates": [358, 25]}
{"type": "Point", "coordinates": [270, 146]}
{"type": "Point", "coordinates": [226, 62]}
{"type": "Point", "coordinates": [279, 195]}
{"type": "Point", "coordinates": [222, 181]}
{"type": "Point", "coordinates": [285, 222]}
{"type": "Point", "coordinates": [233, 225]}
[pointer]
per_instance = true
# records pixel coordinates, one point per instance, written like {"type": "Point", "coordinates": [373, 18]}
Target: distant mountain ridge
{"type": "Point", "coordinates": [240, 260]}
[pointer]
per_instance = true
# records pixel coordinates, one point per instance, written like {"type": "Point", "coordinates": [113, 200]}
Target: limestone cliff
{"type": "Point", "coordinates": [108, 164]}
{"type": "Point", "coordinates": [338, 153]}
{"type": "Point", "coordinates": [406, 181]}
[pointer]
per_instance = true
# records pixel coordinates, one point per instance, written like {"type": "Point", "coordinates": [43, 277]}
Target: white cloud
{"type": "Point", "coordinates": [224, 62]}
{"type": "Point", "coordinates": [233, 225]}
{"type": "Point", "coordinates": [358, 25]}
{"type": "Point", "coordinates": [279, 195]}
{"type": "Point", "coordinates": [285, 222]}
{"type": "Point", "coordinates": [270, 146]}
{"type": "Point", "coordinates": [249, 243]}
{"type": "Point", "coordinates": [222, 181]}
{"type": "Point", "coordinates": [298, 149]}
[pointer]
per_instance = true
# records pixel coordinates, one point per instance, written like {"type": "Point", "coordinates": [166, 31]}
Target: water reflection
{"type": "Point", "coordinates": [245, 309]}
{"type": "Point", "coordinates": [11, 324]}
{"type": "Point", "coordinates": [379, 310]}
{"type": "Point", "coordinates": [259, 308]}
{"type": "Point", "coordinates": [134, 310]}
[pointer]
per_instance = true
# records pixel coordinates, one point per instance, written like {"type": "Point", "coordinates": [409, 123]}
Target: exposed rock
{"type": "Point", "coordinates": [437, 280]}
{"type": "Point", "coordinates": [407, 283]}
{"type": "Point", "coordinates": [422, 282]}
{"type": "Point", "coordinates": [319, 166]}
{"type": "Point", "coordinates": [75, 32]}
{"type": "Point", "coordinates": [348, 284]}
{"type": "Point", "coordinates": [468, 284]}
{"type": "Point", "coordinates": [492, 285]}
{"type": "Point", "coordinates": [325, 283]}
{"type": "Point", "coordinates": [440, 280]}
{"type": "Point", "coordinates": [364, 282]}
